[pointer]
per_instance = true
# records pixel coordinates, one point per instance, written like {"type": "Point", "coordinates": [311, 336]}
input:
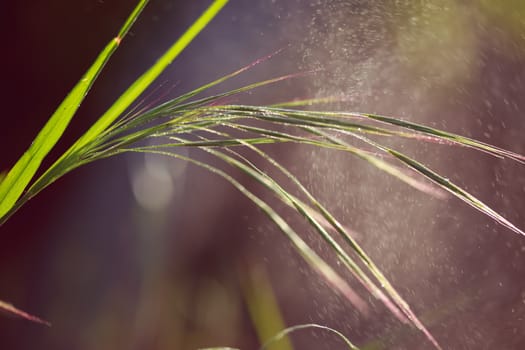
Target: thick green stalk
{"type": "Point", "coordinates": [63, 164]}
{"type": "Point", "coordinates": [12, 187]}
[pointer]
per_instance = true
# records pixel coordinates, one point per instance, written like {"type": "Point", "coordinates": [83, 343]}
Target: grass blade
{"type": "Point", "coordinates": [340, 120]}
{"type": "Point", "coordinates": [9, 308]}
{"type": "Point", "coordinates": [13, 186]}
{"type": "Point", "coordinates": [17, 179]}
{"type": "Point", "coordinates": [292, 329]}
{"type": "Point", "coordinates": [309, 255]}
{"type": "Point", "coordinates": [455, 190]}
{"type": "Point", "coordinates": [407, 313]}
{"type": "Point", "coordinates": [340, 145]}
{"type": "Point", "coordinates": [446, 184]}
{"type": "Point", "coordinates": [262, 305]}
{"type": "Point", "coordinates": [457, 139]}
{"type": "Point", "coordinates": [145, 80]}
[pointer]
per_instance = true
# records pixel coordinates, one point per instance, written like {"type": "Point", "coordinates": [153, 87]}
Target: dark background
{"type": "Point", "coordinates": [109, 273]}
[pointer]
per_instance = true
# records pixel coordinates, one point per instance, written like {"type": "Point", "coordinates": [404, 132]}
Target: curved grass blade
{"type": "Point", "coordinates": [307, 213]}
{"type": "Point", "coordinates": [290, 200]}
{"type": "Point", "coordinates": [343, 146]}
{"type": "Point", "coordinates": [287, 198]}
{"type": "Point", "coordinates": [309, 255]}
{"type": "Point", "coordinates": [428, 173]}
{"type": "Point", "coordinates": [340, 120]}
{"type": "Point", "coordinates": [446, 184]}
{"type": "Point", "coordinates": [310, 214]}
{"type": "Point", "coordinates": [302, 118]}
{"type": "Point", "coordinates": [457, 139]}
{"type": "Point", "coordinates": [412, 164]}
{"type": "Point", "coordinates": [301, 208]}
{"type": "Point", "coordinates": [352, 266]}
{"type": "Point", "coordinates": [292, 329]}
{"type": "Point", "coordinates": [418, 167]}
{"type": "Point", "coordinates": [356, 270]}
{"type": "Point", "coordinates": [455, 190]}
{"type": "Point", "coordinates": [25, 168]}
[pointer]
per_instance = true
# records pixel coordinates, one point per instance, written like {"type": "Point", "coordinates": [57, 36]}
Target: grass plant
{"type": "Point", "coordinates": [205, 123]}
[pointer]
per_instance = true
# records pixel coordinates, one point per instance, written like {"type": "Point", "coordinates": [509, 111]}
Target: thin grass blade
{"type": "Point", "coordinates": [344, 257]}
{"type": "Point", "coordinates": [145, 80]}
{"type": "Point", "coordinates": [455, 190]}
{"type": "Point", "coordinates": [9, 308]}
{"type": "Point", "coordinates": [309, 255]}
{"type": "Point", "coordinates": [440, 134]}
{"type": "Point", "coordinates": [341, 120]}
{"type": "Point", "coordinates": [447, 185]}
{"type": "Point", "coordinates": [292, 329]}
{"type": "Point", "coordinates": [337, 144]}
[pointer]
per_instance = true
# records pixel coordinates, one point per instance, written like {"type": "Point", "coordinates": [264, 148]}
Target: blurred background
{"type": "Point", "coordinates": [141, 252]}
